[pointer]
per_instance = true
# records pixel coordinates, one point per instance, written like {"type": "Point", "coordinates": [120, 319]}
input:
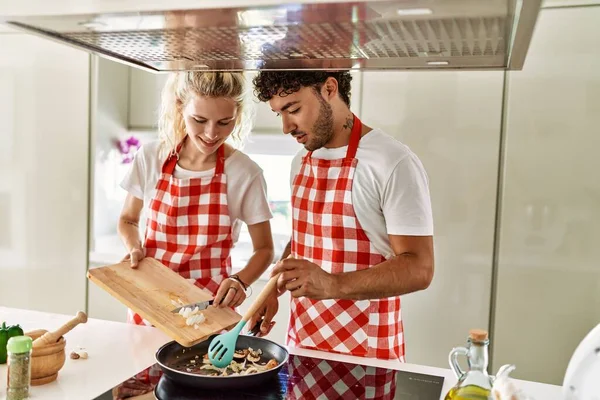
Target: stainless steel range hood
{"type": "Point", "coordinates": [245, 35]}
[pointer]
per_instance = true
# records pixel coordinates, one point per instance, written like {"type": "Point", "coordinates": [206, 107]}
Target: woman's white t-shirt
{"type": "Point", "coordinates": [390, 190]}
{"type": "Point", "coordinates": [246, 186]}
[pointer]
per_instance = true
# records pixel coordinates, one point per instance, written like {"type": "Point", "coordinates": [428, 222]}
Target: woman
{"type": "Point", "coordinates": [197, 189]}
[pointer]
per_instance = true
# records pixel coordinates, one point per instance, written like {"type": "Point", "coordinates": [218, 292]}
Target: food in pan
{"type": "Point", "coordinates": [245, 362]}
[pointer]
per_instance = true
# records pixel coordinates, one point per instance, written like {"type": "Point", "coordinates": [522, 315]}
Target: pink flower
{"type": "Point", "coordinates": [128, 148]}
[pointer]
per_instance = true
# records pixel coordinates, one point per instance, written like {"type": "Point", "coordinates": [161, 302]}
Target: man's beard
{"type": "Point", "coordinates": [322, 130]}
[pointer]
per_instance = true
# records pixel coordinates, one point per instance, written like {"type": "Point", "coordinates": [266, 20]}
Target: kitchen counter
{"type": "Point", "coordinates": [117, 351]}
{"type": "Point", "coordinates": [538, 391]}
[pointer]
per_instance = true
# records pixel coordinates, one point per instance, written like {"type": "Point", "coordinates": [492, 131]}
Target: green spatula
{"type": "Point", "coordinates": [222, 347]}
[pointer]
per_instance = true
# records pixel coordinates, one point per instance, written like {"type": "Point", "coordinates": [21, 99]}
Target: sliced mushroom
{"type": "Point", "coordinates": [253, 356]}
{"type": "Point", "coordinates": [241, 354]}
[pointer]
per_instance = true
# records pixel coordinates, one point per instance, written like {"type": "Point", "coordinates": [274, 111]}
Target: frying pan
{"type": "Point", "coordinates": [173, 353]}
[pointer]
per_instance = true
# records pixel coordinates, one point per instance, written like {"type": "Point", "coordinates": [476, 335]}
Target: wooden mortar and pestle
{"type": "Point", "coordinates": [48, 352]}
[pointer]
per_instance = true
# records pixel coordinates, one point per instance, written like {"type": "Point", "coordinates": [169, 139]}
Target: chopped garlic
{"type": "Point", "coordinates": [193, 317]}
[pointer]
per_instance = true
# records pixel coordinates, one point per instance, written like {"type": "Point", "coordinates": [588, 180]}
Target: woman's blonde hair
{"type": "Point", "coordinates": [181, 86]}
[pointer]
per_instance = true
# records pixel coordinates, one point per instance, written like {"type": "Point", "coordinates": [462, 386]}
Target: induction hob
{"type": "Point", "coordinates": [312, 378]}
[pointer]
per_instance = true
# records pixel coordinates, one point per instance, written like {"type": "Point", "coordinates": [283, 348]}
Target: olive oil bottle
{"type": "Point", "coordinates": [474, 383]}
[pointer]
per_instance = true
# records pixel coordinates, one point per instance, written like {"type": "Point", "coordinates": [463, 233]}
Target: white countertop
{"type": "Point", "coordinates": [118, 351]}
{"type": "Point", "coordinates": [538, 391]}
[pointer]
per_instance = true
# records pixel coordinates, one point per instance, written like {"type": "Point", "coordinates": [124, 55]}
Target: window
{"type": "Point", "coordinates": [274, 154]}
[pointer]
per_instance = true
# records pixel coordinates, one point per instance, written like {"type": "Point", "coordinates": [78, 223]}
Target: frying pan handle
{"type": "Point", "coordinates": [267, 290]}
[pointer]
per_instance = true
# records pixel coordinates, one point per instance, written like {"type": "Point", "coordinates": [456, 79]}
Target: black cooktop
{"type": "Point", "coordinates": [312, 378]}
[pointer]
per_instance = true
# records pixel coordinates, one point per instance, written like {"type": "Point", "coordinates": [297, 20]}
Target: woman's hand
{"type": "Point", "coordinates": [135, 256]}
{"type": "Point", "coordinates": [230, 294]}
{"type": "Point", "coordinates": [265, 314]}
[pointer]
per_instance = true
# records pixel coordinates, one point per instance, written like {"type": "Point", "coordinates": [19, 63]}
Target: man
{"type": "Point", "coordinates": [362, 222]}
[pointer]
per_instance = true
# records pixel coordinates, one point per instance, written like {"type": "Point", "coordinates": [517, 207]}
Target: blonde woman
{"type": "Point", "coordinates": [197, 189]}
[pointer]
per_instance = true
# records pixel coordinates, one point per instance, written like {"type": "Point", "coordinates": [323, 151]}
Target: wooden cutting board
{"type": "Point", "coordinates": [149, 290]}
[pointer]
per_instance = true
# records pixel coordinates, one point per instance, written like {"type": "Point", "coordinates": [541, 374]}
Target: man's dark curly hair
{"type": "Point", "coordinates": [268, 84]}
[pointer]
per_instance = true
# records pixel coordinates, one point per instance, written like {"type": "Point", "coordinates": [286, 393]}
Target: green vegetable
{"type": "Point", "coordinates": [6, 332]}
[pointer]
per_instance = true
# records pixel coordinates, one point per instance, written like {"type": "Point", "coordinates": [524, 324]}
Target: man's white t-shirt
{"type": "Point", "coordinates": [246, 186]}
{"type": "Point", "coordinates": [390, 191]}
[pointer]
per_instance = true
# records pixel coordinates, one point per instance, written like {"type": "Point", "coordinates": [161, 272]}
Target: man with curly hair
{"type": "Point", "coordinates": [362, 223]}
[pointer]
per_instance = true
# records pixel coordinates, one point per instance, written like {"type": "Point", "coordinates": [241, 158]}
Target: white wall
{"type": "Point", "coordinates": [549, 269]}
{"type": "Point", "coordinates": [451, 120]}
{"type": "Point", "coordinates": [44, 138]}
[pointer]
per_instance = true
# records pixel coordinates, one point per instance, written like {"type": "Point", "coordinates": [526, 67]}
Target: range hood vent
{"type": "Point", "coordinates": [367, 35]}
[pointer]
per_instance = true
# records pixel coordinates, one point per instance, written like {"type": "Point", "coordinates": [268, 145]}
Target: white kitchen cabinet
{"type": "Point", "coordinates": [144, 98]}
{"type": "Point", "coordinates": [44, 148]}
{"type": "Point", "coordinates": [144, 101]}
{"type": "Point", "coordinates": [451, 120]}
{"type": "Point", "coordinates": [548, 295]}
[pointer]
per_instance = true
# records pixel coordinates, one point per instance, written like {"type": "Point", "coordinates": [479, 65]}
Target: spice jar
{"type": "Point", "coordinates": [19, 367]}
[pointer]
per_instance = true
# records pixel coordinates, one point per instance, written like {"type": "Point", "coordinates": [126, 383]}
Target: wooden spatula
{"type": "Point", "coordinates": [52, 337]}
{"type": "Point", "coordinates": [222, 347]}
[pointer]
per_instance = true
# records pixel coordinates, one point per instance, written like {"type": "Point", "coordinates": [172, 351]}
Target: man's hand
{"type": "Point", "coordinates": [266, 313]}
{"type": "Point", "coordinates": [305, 279]}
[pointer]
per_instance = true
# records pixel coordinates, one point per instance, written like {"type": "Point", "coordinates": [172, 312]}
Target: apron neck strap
{"type": "Point", "coordinates": [171, 161]}
{"type": "Point", "coordinates": [354, 138]}
{"type": "Point", "coordinates": [220, 168]}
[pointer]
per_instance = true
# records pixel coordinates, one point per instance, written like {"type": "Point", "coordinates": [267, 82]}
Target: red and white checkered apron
{"type": "Point", "coordinates": [327, 233]}
{"type": "Point", "coordinates": [189, 230]}
{"type": "Point", "coordinates": [323, 379]}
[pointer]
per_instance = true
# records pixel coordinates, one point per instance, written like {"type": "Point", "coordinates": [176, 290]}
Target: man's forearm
{"type": "Point", "coordinates": [402, 274]}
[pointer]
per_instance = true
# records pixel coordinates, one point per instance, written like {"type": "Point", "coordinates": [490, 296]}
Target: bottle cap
{"type": "Point", "coordinates": [19, 344]}
{"type": "Point", "coordinates": [478, 335]}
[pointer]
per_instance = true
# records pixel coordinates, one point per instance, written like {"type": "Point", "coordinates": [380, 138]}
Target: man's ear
{"type": "Point", "coordinates": [330, 88]}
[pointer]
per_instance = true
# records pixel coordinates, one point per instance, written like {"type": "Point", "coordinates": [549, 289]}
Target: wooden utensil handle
{"type": "Point", "coordinates": [267, 290]}
{"type": "Point", "coordinates": [52, 337]}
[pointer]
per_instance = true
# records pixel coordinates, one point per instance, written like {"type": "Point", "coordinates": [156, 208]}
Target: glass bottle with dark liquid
{"type": "Point", "coordinates": [474, 383]}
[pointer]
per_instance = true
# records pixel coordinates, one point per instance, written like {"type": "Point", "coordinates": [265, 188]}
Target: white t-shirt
{"type": "Point", "coordinates": [246, 186]}
{"type": "Point", "coordinates": [390, 191]}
